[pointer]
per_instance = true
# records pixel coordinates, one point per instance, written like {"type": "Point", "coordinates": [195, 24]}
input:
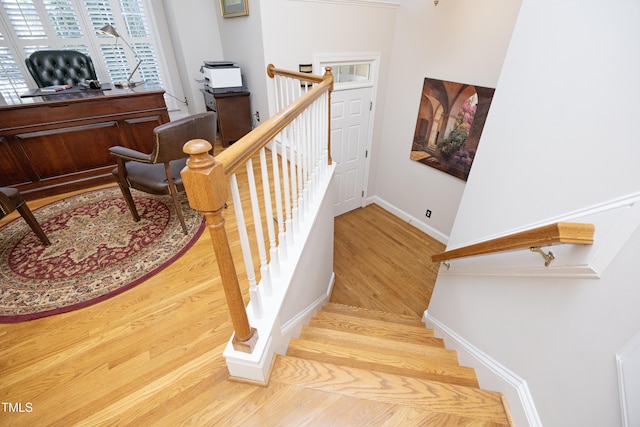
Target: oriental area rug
{"type": "Point", "coordinates": [97, 251]}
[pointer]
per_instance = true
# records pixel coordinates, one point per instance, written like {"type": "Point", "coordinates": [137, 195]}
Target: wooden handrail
{"type": "Point", "coordinates": [244, 149]}
{"type": "Point", "coordinates": [272, 71]}
{"type": "Point", "coordinates": [560, 232]}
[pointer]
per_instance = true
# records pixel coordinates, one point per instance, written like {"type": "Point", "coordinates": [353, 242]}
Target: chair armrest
{"type": "Point", "coordinates": [6, 205]}
{"type": "Point", "coordinates": [129, 154]}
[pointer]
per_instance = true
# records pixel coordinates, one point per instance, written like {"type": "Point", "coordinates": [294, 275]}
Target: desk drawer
{"type": "Point", "coordinates": [38, 116]}
{"type": "Point", "coordinates": [210, 101]}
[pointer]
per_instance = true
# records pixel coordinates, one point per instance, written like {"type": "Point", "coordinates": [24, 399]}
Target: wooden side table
{"type": "Point", "coordinates": [234, 114]}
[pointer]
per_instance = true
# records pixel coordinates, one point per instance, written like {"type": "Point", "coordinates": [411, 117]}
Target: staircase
{"type": "Point", "coordinates": [390, 362]}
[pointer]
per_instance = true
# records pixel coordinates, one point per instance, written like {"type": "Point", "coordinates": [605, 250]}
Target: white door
{"type": "Point", "coordinates": [350, 113]}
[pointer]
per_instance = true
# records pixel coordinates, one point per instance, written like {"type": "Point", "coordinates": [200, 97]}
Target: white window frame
{"type": "Point", "coordinates": [321, 61]}
{"type": "Point", "coordinates": [168, 73]}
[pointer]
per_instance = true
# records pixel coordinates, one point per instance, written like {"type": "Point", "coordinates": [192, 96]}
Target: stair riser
{"type": "Point", "coordinates": [412, 368]}
{"type": "Point", "coordinates": [388, 347]}
{"type": "Point", "coordinates": [372, 314]}
{"type": "Point", "coordinates": [356, 320]}
{"type": "Point", "coordinates": [398, 335]}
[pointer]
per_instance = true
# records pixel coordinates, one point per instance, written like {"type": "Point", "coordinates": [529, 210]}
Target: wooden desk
{"type": "Point", "coordinates": [58, 143]}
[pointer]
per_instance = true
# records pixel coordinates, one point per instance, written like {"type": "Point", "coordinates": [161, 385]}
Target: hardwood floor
{"type": "Point", "coordinates": [383, 263]}
{"type": "Point", "coordinates": [153, 355]}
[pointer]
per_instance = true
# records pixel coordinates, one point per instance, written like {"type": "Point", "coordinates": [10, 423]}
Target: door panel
{"type": "Point", "coordinates": [350, 110]}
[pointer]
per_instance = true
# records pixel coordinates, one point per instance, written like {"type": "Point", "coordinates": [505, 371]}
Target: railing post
{"type": "Point", "coordinates": [208, 190]}
{"type": "Point", "coordinates": [328, 75]}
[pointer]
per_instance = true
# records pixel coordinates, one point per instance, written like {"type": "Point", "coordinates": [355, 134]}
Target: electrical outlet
{"type": "Point", "coordinates": [428, 214]}
{"type": "Point", "coordinates": [258, 116]}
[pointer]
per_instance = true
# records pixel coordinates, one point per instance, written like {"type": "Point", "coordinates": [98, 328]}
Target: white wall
{"type": "Point", "coordinates": [559, 138]}
{"type": "Point", "coordinates": [295, 31]}
{"type": "Point", "coordinates": [242, 42]}
{"type": "Point", "coordinates": [195, 36]}
{"type": "Point", "coordinates": [280, 32]}
{"type": "Point", "coordinates": [459, 40]}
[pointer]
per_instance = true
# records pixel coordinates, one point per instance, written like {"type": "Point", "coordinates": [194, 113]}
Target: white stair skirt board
{"type": "Point", "coordinates": [491, 374]}
{"type": "Point", "coordinates": [305, 291]}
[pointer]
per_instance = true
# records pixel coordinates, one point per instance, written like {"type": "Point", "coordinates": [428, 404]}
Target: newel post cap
{"type": "Point", "coordinates": [203, 178]}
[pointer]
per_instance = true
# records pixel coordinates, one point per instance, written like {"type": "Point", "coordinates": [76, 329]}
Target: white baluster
{"type": "Point", "coordinates": [257, 225]}
{"type": "Point", "coordinates": [282, 247]}
{"type": "Point", "coordinates": [256, 301]}
{"type": "Point", "coordinates": [317, 143]}
{"type": "Point", "coordinates": [293, 162]}
{"type": "Point", "coordinates": [325, 146]}
{"type": "Point", "coordinates": [313, 158]}
{"type": "Point", "coordinates": [302, 135]}
{"type": "Point", "coordinates": [285, 181]}
{"type": "Point", "coordinates": [307, 163]}
{"type": "Point", "coordinates": [268, 208]}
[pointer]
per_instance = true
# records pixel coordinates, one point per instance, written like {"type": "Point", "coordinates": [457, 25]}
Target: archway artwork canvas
{"type": "Point", "coordinates": [450, 121]}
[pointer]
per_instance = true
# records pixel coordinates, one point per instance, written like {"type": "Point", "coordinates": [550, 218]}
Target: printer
{"type": "Point", "coordinates": [222, 76]}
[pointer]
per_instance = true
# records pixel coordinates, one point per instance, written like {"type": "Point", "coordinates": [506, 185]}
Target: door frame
{"type": "Point", "coordinates": [373, 59]}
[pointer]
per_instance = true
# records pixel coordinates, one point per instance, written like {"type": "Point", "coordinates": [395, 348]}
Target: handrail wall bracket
{"type": "Point", "coordinates": [548, 257]}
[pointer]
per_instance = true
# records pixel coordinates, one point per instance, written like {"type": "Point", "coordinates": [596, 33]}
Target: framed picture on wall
{"type": "Point", "coordinates": [231, 8]}
{"type": "Point", "coordinates": [450, 120]}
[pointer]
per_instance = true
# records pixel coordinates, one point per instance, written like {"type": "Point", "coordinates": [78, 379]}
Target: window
{"type": "Point", "coordinates": [30, 25]}
{"type": "Point", "coordinates": [351, 73]}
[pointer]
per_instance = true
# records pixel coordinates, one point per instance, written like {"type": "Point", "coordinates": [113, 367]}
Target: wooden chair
{"type": "Point", "coordinates": [159, 172]}
{"type": "Point", "coordinates": [11, 200]}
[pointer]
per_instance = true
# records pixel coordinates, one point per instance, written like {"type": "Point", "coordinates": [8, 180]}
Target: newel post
{"type": "Point", "coordinates": [207, 190]}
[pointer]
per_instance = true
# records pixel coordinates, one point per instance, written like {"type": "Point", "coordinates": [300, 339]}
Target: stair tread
{"type": "Point", "coordinates": [373, 314]}
{"type": "Point", "coordinates": [416, 393]}
{"type": "Point", "coordinates": [373, 327]}
{"type": "Point", "coordinates": [430, 368]}
{"type": "Point", "coordinates": [321, 408]}
{"type": "Point", "coordinates": [389, 346]}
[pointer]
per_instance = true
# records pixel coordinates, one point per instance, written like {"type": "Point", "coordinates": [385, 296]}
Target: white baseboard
{"type": "Point", "coordinates": [491, 374]}
{"type": "Point", "coordinates": [293, 326]}
{"type": "Point", "coordinates": [436, 234]}
{"type": "Point", "coordinates": [628, 363]}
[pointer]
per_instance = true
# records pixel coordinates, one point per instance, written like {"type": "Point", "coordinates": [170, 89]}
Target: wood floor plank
{"type": "Point", "coordinates": [152, 355]}
{"type": "Point", "coordinates": [412, 392]}
{"type": "Point", "coordinates": [377, 243]}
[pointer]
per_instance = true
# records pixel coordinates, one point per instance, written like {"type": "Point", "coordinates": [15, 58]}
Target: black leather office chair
{"type": "Point", "coordinates": [159, 172]}
{"type": "Point", "coordinates": [10, 200]}
{"type": "Point", "coordinates": [60, 67]}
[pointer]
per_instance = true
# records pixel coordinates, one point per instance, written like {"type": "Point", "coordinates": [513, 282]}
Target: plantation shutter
{"type": "Point", "coordinates": [30, 25]}
{"type": "Point", "coordinates": [26, 26]}
{"type": "Point", "coordinates": [12, 84]}
{"type": "Point", "coordinates": [24, 19]}
{"type": "Point", "coordinates": [63, 19]}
